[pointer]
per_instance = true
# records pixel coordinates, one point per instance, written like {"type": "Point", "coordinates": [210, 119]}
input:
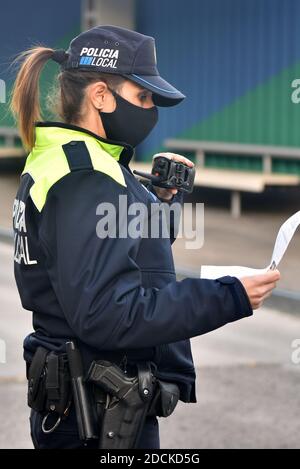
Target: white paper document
{"type": "Point", "coordinates": [284, 236]}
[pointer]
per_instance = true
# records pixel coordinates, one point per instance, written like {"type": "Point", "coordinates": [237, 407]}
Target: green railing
{"type": "Point", "coordinates": [239, 157]}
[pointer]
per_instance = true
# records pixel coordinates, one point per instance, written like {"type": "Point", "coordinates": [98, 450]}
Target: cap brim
{"type": "Point", "coordinates": [164, 94]}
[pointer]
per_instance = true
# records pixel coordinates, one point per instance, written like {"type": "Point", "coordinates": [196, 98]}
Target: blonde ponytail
{"type": "Point", "coordinates": [25, 101]}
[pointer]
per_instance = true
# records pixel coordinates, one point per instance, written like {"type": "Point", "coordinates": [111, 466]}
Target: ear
{"type": "Point", "coordinates": [97, 93]}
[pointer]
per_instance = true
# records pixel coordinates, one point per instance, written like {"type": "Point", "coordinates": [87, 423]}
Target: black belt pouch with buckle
{"type": "Point", "coordinates": [165, 399]}
{"type": "Point", "coordinates": [48, 382]}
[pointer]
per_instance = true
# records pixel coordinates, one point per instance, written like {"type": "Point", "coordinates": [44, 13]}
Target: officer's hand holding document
{"type": "Point", "coordinates": [284, 236]}
{"type": "Point", "coordinates": [259, 283]}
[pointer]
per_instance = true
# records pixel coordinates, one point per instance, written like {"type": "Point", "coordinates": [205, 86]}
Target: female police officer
{"type": "Point", "coordinates": [117, 296]}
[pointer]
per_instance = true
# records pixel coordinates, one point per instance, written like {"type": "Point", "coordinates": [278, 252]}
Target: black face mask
{"type": "Point", "coordinates": [128, 123]}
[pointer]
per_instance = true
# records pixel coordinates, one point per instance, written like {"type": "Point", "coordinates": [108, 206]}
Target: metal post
{"type": "Point", "coordinates": [235, 204]}
{"type": "Point", "coordinates": [267, 163]}
{"type": "Point", "coordinates": [200, 158]}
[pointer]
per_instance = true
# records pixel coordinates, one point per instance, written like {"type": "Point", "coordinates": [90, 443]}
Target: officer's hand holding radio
{"type": "Point", "coordinates": [170, 173]}
{"type": "Point", "coordinates": [259, 287]}
{"type": "Point", "coordinates": [167, 194]}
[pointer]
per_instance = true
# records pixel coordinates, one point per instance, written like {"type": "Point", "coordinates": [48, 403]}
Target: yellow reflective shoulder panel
{"type": "Point", "coordinates": [47, 165]}
{"type": "Point", "coordinates": [104, 162]}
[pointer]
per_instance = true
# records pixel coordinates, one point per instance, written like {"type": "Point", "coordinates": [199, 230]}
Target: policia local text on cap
{"type": "Point", "coordinates": [115, 301]}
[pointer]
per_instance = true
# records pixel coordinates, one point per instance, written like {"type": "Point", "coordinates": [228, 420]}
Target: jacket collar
{"type": "Point", "coordinates": [121, 151]}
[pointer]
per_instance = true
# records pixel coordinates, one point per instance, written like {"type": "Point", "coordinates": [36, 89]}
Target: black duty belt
{"type": "Point", "coordinates": [111, 403]}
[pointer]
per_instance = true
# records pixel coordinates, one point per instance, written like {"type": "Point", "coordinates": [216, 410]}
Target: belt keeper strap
{"type": "Point", "coordinates": [52, 381]}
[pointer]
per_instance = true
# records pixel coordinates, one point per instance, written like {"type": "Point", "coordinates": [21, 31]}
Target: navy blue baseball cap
{"type": "Point", "coordinates": [112, 49]}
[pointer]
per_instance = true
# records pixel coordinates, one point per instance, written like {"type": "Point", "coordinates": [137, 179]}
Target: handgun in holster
{"type": "Point", "coordinates": [127, 402]}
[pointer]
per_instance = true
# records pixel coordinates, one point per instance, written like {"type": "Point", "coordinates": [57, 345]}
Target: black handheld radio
{"type": "Point", "coordinates": [170, 174]}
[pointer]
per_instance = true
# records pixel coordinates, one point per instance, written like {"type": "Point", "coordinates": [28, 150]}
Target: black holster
{"type": "Point", "coordinates": [124, 402]}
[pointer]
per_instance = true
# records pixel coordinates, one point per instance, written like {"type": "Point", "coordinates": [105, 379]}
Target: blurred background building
{"type": "Point", "coordinates": [235, 61]}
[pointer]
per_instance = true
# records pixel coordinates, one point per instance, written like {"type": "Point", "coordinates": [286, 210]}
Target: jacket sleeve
{"type": "Point", "coordinates": [98, 283]}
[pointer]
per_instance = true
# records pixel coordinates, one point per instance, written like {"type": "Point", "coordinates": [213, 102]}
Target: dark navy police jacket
{"type": "Point", "coordinates": [117, 296]}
